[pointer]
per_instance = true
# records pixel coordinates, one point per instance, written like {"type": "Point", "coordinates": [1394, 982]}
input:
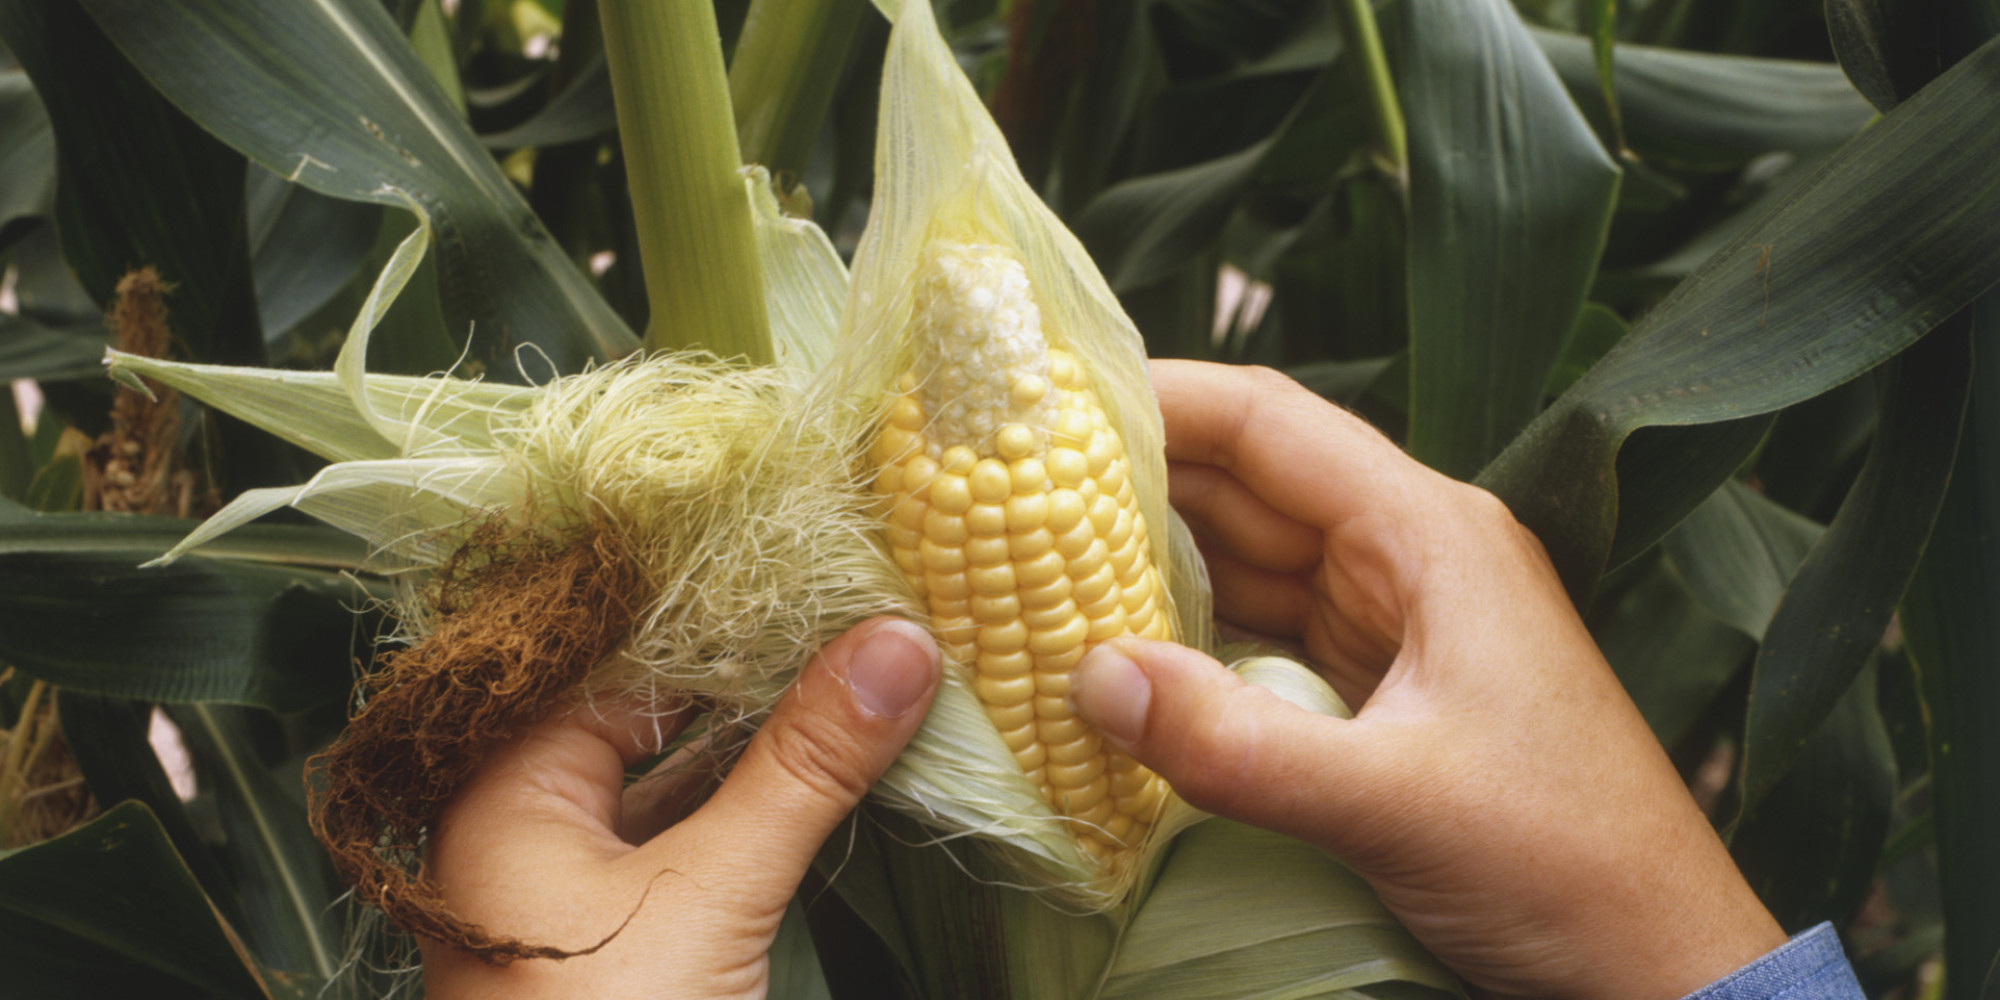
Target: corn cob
{"type": "Point", "coordinates": [1011, 511]}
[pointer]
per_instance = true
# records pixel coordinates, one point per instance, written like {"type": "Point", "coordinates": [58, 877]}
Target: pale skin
{"type": "Point", "coordinates": [1497, 787]}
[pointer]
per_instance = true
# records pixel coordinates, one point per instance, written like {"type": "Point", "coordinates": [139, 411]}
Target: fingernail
{"type": "Point", "coordinates": [1112, 693]}
{"type": "Point", "coordinates": [893, 667]}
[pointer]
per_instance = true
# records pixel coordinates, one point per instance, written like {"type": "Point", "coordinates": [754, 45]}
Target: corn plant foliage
{"type": "Point", "coordinates": [305, 248]}
{"type": "Point", "coordinates": [27, 155]}
{"type": "Point", "coordinates": [1891, 48]}
{"type": "Point", "coordinates": [1813, 840]}
{"type": "Point", "coordinates": [1787, 310]}
{"type": "Point", "coordinates": [284, 884]}
{"type": "Point", "coordinates": [1840, 600]}
{"type": "Point", "coordinates": [1508, 206]}
{"type": "Point", "coordinates": [1710, 112]}
{"type": "Point", "coordinates": [110, 909]}
{"type": "Point", "coordinates": [1815, 242]}
{"type": "Point", "coordinates": [266, 618]}
{"type": "Point", "coordinates": [328, 94]}
{"type": "Point", "coordinates": [1672, 654]}
{"type": "Point", "coordinates": [1955, 640]}
{"type": "Point", "coordinates": [186, 216]}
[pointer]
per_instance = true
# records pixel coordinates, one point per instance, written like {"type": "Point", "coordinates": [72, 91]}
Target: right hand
{"type": "Point", "coordinates": [1497, 787]}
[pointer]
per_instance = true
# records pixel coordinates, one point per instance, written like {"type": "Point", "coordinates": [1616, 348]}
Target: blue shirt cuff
{"type": "Point", "coordinates": [1811, 966]}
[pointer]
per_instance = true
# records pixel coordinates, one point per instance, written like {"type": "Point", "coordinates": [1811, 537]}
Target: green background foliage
{"type": "Point", "coordinates": [1701, 289]}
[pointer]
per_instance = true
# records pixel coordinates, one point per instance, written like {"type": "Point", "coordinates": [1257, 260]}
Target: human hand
{"type": "Point", "coordinates": [546, 844]}
{"type": "Point", "coordinates": [1497, 787]}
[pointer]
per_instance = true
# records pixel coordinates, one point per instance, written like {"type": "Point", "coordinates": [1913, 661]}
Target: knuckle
{"type": "Point", "coordinates": [1482, 504]}
{"type": "Point", "coordinates": [821, 758]}
{"type": "Point", "coordinates": [1270, 379]}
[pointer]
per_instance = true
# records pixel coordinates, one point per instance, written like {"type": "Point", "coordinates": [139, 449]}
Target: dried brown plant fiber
{"type": "Point", "coordinates": [519, 621]}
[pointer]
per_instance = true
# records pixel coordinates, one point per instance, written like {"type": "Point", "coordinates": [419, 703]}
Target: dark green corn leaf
{"type": "Point", "coordinates": [27, 156]}
{"type": "Point", "coordinates": [109, 738]}
{"type": "Point", "coordinates": [1672, 655]}
{"type": "Point", "coordinates": [1954, 637]}
{"type": "Point", "coordinates": [183, 214]}
{"type": "Point", "coordinates": [1600, 19]}
{"type": "Point", "coordinates": [1897, 230]}
{"type": "Point", "coordinates": [1710, 112]}
{"type": "Point", "coordinates": [264, 617]}
{"type": "Point", "coordinates": [1736, 553]}
{"type": "Point", "coordinates": [1892, 48]}
{"type": "Point", "coordinates": [285, 884]}
{"type": "Point", "coordinates": [1838, 605]}
{"type": "Point", "coordinates": [17, 455]}
{"type": "Point", "coordinates": [305, 247]}
{"type": "Point", "coordinates": [1144, 229]}
{"type": "Point", "coordinates": [328, 93]}
{"type": "Point", "coordinates": [31, 349]}
{"type": "Point", "coordinates": [1810, 846]}
{"type": "Point", "coordinates": [581, 110]}
{"type": "Point", "coordinates": [1598, 329]}
{"type": "Point", "coordinates": [109, 910]}
{"type": "Point", "coordinates": [1509, 204]}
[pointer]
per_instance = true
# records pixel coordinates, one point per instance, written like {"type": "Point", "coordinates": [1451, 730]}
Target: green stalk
{"type": "Point", "coordinates": [704, 284]}
{"type": "Point", "coordinates": [1386, 114]}
{"type": "Point", "coordinates": [782, 79]}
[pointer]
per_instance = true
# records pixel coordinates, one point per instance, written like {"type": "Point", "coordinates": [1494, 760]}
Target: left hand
{"type": "Point", "coordinates": [545, 844]}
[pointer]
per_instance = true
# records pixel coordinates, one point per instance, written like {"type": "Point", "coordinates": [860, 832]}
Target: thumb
{"type": "Point", "coordinates": [831, 736]}
{"type": "Point", "coordinates": [1226, 746]}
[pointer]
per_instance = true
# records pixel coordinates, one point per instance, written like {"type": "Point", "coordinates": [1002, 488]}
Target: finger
{"type": "Point", "coordinates": [1218, 506]}
{"type": "Point", "coordinates": [1225, 746]}
{"type": "Point", "coordinates": [1309, 459]}
{"type": "Point", "coordinates": [568, 771]}
{"type": "Point", "coordinates": [833, 734]}
{"type": "Point", "coordinates": [670, 792]}
{"type": "Point", "coordinates": [1256, 598]}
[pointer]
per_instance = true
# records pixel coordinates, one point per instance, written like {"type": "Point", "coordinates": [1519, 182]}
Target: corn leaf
{"type": "Point", "coordinates": [1704, 111]}
{"type": "Point", "coordinates": [1838, 605]}
{"type": "Point", "coordinates": [305, 248]}
{"type": "Point", "coordinates": [109, 738]}
{"type": "Point", "coordinates": [31, 349]}
{"type": "Point", "coordinates": [1670, 653]}
{"type": "Point", "coordinates": [27, 154]}
{"type": "Point", "coordinates": [186, 218]}
{"type": "Point", "coordinates": [1891, 49]}
{"type": "Point", "coordinates": [1811, 844]}
{"type": "Point", "coordinates": [265, 618]}
{"type": "Point", "coordinates": [1893, 233]}
{"type": "Point", "coordinates": [1509, 204]}
{"type": "Point", "coordinates": [581, 110]}
{"type": "Point", "coordinates": [1737, 552]}
{"type": "Point", "coordinates": [1955, 640]}
{"type": "Point", "coordinates": [109, 908]}
{"type": "Point", "coordinates": [287, 886]}
{"type": "Point", "coordinates": [329, 94]}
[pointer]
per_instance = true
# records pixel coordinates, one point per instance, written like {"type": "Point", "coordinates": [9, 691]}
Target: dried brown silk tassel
{"type": "Point", "coordinates": [519, 623]}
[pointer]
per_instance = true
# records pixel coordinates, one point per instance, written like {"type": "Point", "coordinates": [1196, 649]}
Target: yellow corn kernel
{"type": "Point", "coordinates": [1012, 496]}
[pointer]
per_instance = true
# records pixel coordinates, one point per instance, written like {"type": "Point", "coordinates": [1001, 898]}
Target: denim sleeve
{"type": "Point", "coordinates": [1810, 966]}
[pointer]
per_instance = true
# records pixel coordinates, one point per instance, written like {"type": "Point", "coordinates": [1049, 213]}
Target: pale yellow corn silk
{"type": "Point", "coordinates": [740, 506]}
